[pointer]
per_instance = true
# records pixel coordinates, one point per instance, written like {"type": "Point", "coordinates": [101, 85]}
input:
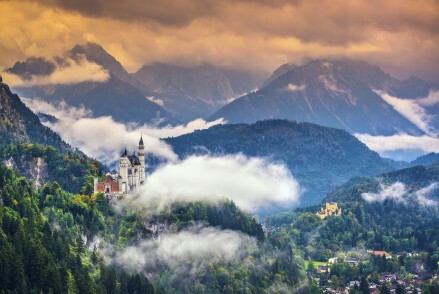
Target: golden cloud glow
{"type": "Point", "coordinates": [401, 36]}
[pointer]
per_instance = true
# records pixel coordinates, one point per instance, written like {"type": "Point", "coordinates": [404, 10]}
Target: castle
{"type": "Point", "coordinates": [331, 209]}
{"type": "Point", "coordinates": [130, 176]}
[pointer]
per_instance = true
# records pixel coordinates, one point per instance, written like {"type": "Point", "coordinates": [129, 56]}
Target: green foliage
{"type": "Point", "coordinates": [36, 258]}
{"type": "Point", "coordinates": [224, 215]}
{"type": "Point", "coordinates": [72, 170]}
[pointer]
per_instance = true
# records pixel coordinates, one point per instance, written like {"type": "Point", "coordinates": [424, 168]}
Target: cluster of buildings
{"type": "Point", "coordinates": [129, 178]}
{"type": "Point", "coordinates": [330, 209]}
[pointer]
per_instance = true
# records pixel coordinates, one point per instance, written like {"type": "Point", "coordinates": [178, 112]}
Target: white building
{"type": "Point", "coordinates": [130, 176]}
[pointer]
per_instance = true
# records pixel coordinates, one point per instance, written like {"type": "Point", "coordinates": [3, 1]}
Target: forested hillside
{"type": "Point", "coordinates": [402, 222]}
{"type": "Point", "coordinates": [18, 124]}
{"type": "Point", "coordinates": [73, 170]}
{"type": "Point", "coordinates": [310, 151]}
{"type": "Point", "coordinates": [36, 257]}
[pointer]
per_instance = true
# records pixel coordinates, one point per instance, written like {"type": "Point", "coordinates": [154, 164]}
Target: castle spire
{"type": "Point", "coordinates": [125, 152]}
{"type": "Point", "coordinates": [141, 140]}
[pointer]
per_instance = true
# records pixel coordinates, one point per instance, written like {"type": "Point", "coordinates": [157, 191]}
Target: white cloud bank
{"type": "Point", "coordinates": [400, 193]}
{"type": "Point", "coordinates": [383, 144]}
{"type": "Point", "coordinates": [401, 145]}
{"type": "Point", "coordinates": [412, 110]}
{"type": "Point", "coordinates": [103, 138]}
{"type": "Point", "coordinates": [185, 252]}
{"type": "Point", "coordinates": [254, 184]}
{"type": "Point", "coordinates": [431, 100]}
{"type": "Point", "coordinates": [71, 72]}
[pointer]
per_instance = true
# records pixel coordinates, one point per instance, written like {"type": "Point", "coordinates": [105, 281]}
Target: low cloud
{"type": "Point", "coordinates": [395, 192]}
{"type": "Point", "coordinates": [254, 184]}
{"type": "Point", "coordinates": [413, 111]}
{"type": "Point", "coordinates": [185, 253]}
{"type": "Point", "coordinates": [399, 192]}
{"type": "Point", "coordinates": [399, 142]}
{"type": "Point", "coordinates": [103, 138]}
{"type": "Point", "coordinates": [422, 194]}
{"type": "Point", "coordinates": [431, 100]}
{"type": "Point", "coordinates": [293, 88]}
{"type": "Point", "coordinates": [402, 145]}
{"type": "Point", "coordinates": [69, 72]}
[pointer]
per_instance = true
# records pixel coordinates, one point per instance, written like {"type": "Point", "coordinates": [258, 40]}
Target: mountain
{"type": "Point", "coordinates": [18, 124]}
{"type": "Point", "coordinates": [35, 151]}
{"type": "Point", "coordinates": [320, 158]}
{"type": "Point", "coordinates": [121, 96]}
{"type": "Point", "coordinates": [337, 93]}
{"type": "Point", "coordinates": [193, 92]}
{"type": "Point", "coordinates": [426, 159]}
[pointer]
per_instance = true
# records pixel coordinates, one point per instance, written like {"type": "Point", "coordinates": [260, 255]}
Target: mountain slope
{"type": "Point", "coordinates": [35, 151]}
{"type": "Point", "coordinates": [121, 96]}
{"type": "Point", "coordinates": [335, 93]}
{"type": "Point", "coordinates": [194, 92]}
{"type": "Point", "coordinates": [392, 225]}
{"type": "Point", "coordinates": [319, 157]}
{"type": "Point", "coordinates": [18, 124]}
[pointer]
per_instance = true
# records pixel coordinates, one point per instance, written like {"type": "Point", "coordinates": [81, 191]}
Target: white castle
{"type": "Point", "coordinates": [130, 176]}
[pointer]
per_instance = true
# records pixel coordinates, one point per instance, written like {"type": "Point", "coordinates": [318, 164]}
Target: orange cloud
{"type": "Point", "coordinates": [401, 36]}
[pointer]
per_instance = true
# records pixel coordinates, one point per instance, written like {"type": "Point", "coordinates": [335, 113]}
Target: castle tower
{"type": "Point", "coordinates": [123, 172]}
{"type": "Point", "coordinates": [142, 160]}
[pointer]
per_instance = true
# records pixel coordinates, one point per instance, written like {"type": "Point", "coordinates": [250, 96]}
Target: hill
{"type": "Point", "coordinates": [395, 212]}
{"type": "Point", "coordinates": [319, 157]}
{"type": "Point", "coordinates": [333, 93]}
{"type": "Point", "coordinates": [426, 159]}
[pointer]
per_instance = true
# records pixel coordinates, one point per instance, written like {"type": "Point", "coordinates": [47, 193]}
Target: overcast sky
{"type": "Point", "coordinates": [401, 36]}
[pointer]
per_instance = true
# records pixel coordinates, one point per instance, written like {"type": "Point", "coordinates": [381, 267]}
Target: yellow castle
{"type": "Point", "coordinates": [331, 209]}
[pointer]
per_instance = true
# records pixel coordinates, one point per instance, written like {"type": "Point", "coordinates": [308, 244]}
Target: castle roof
{"type": "Point", "coordinates": [141, 140]}
{"type": "Point", "coordinates": [134, 159]}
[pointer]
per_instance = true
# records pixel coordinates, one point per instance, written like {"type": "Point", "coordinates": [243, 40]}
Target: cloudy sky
{"type": "Point", "coordinates": [399, 35]}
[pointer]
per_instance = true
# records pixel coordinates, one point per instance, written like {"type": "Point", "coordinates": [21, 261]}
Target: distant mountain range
{"type": "Point", "coordinates": [337, 93]}
{"type": "Point", "coordinates": [121, 96]}
{"type": "Point", "coordinates": [157, 93]}
{"type": "Point", "coordinates": [199, 91]}
{"type": "Point", "coordinates": [320, 158]}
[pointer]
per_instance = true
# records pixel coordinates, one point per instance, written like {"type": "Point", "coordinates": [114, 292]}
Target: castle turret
{"type": "Point", "coordinates": [123, 171]}
{"type": "Point", "coordinates": [142, 160]}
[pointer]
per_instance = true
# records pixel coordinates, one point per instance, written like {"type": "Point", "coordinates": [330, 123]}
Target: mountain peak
{"type": "Point", "coordinates": [332, 92]}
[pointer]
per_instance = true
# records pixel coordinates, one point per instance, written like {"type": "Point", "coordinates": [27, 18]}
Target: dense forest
{"type": "Point", "coordinates": [46, 241]}
{"type": "Point", "coordinates": [406, 227]}
{"type": "Point", "coordinates": [73, 171]}
{"type": "Point", "coordinates": [35, 256]}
